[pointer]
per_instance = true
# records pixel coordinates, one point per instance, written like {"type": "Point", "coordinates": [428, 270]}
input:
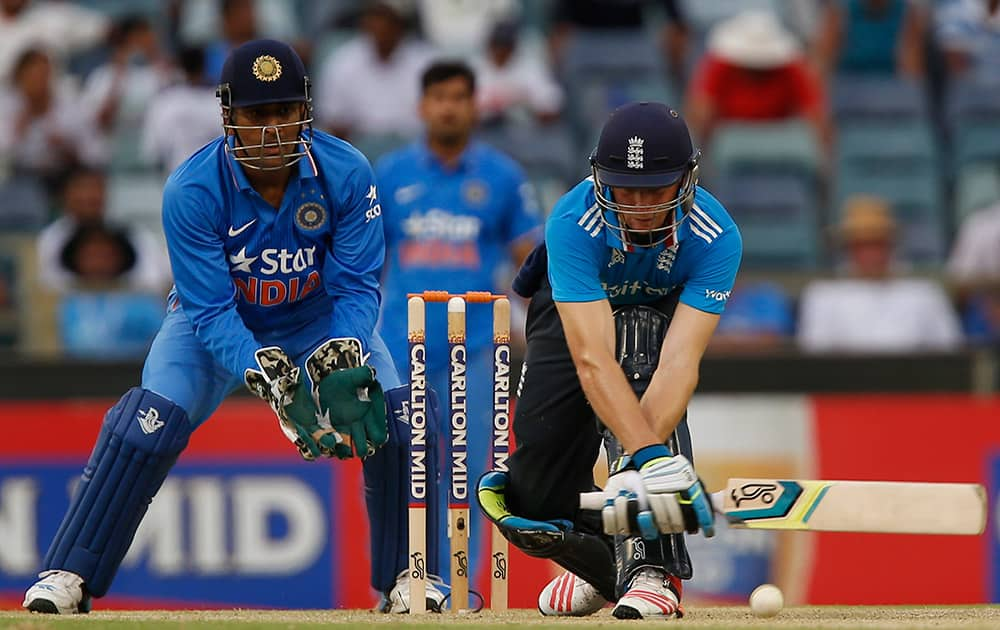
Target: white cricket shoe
{"type": "Point", "coordinates": [569, 596]}
{"type": "Point", "coordinates": [57, 593]}
{"type": "Point", "coordinates": [650, 595]}
{"type": "Point", "coordinates": [398, 599]}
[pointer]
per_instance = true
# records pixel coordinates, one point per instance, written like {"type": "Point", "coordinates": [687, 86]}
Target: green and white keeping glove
{"type": "Point", "coordinates": [348, 397]}
{"type": "Point", "coordinates": [277, 381]}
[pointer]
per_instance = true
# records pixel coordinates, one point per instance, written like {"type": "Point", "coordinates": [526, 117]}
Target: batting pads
{"type": "Point", "coordinates": [140, 440]}
{"type": "Point", "coordinates": [387, 481]}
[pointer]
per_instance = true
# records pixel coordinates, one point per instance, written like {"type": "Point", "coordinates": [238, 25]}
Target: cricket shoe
{"type": "Point", "coordinates": [652, 594]}
{"type": "Point", "coordinates": [569, 596]}
{"type": "Point", "coordinates": [57, 593]}
{"type": "Point", "coordinates": [398, 599]}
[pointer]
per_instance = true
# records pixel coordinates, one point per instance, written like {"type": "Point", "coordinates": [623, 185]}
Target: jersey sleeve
{"type": "Point", "coordinates": [711, 283]}
{"type": "Point", "coordinates": [574, 267]}
{"type": "Point", "coordinates": [201, 274]}
{"type": "Point", "coordinates": [523, 213]}
{"type": "Point", "coordinates": [353, 264]}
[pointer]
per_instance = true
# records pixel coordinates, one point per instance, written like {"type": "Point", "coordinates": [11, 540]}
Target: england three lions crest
{"type": "Point", "coordinates": [665, 261]}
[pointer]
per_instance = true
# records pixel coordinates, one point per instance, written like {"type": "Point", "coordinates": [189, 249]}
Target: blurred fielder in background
{"type": "Point", "coordinates": [637, 265]}
{"type": "Point", "coordinates": [276, 244]}
{"type": "Point", "coordinates": [457, 213]}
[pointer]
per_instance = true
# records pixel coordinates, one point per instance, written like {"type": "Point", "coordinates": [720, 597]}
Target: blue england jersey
{"type": "Point", "coordinates": [449, 229]}
{"type": "Point", "coordinates": [248, 275]}
{"type": "Point", "coordinates": [587, 262]}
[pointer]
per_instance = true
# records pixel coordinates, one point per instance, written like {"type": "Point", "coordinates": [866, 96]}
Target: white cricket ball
{"type": "Point", "coordinates": [766, 600]}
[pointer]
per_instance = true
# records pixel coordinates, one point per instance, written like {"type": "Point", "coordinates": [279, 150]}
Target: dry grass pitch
{"type": "Point", "coordinates": [937, 617]}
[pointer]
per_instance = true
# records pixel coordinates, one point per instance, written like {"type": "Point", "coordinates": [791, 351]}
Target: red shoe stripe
{"type": "Point", "coordinates": [554, 593]}
{"type": "Point", "coordinates": [568, 598]}
{"type": "Point", "coordinates": [667, 605]}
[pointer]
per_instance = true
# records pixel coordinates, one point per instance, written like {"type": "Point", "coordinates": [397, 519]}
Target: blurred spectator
{"type": "Point", "coordinates": [621, 16]}
{"type": "Point", "coordinates": [96, 254]}
{"type": "Point", "coordinates": [968, 31]}
{"type": "Point", "coordinates": [507, 80]}
{"type": "Point", "coordinates": [183, 117]}
{"type": "Point", "coordinates": [371, 84]}
{"type": "Point", "coordinates": [96, 320]}
{"type": "Point", "coordinates": [754, 71]}
{"type": "Point", "coordinates": [883, 37]}
{"type": "Point", "coordinates": [461, 27]}
{"type": "Point", "coordinates": [41, 128]}
{"type": "Point", "coordinates": [758, 317]}
{"type": "Point", "coordinates": [874, 309]}
{"type": "Point", "coordinates": [238, 26]}
{"type": "Point", "coordinates": [975, 267]}
{"type": "Point", "coordinates": [59, 28]}
{"type": "Point", "coordinates": [142, 265]}
{"type": "Point", "coordinates": [219, 25]}
{"type": "Point", "coordinates": [117, 94]}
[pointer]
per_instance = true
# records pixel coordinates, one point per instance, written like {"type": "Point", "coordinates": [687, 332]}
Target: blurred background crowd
{"type": "Point", "coordinates": [855, 142]}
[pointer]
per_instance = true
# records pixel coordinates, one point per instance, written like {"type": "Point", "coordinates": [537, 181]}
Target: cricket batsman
{"type": "Point", "coordinates": [637, 265]}
{"type": "Point", "coordinates": [276, 245]}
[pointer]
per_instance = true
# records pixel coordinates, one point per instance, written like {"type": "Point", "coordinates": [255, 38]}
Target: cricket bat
{"type": "Point", "coordinates": [889, 507]}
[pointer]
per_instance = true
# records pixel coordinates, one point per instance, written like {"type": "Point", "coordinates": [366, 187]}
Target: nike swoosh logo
{"type": "Point", "coordinates": [236, 232]}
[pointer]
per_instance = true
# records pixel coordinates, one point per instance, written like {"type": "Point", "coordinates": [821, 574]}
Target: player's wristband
{"type": "Point", "coordinates": [648, 453]}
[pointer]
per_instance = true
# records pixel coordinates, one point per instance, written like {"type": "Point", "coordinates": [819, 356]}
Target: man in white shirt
{"type": "Point", "coordinates": [509, 77]}
{"type": "Point", "coordinates": [874, 310]}
{"type": "Point", "coordinates": [975, 267]}
{"type": "Point", "coordinates": [60, 28]}
{"type": "Point", "coordinates": [183, 118]}
{"type": "Point", "coordinates": [371, 84]}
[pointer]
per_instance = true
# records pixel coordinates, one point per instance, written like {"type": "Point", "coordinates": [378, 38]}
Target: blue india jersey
{"type": "Point", "coordinates": [248, 275]}
{"type": "Point", "coordinates": [587, 262]}
{"type": "Point", "coordinates": [449, 229]}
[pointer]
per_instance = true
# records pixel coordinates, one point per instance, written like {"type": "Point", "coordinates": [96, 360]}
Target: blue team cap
{"type": "Point", "coordinates": [643, 145]}
{"type": "Point", "coordinates": [263, 71]}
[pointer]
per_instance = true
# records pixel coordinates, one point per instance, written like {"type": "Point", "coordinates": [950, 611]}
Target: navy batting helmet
{"type": "Point", "coordinates": [645, 145]}
{"type": "Point", "coordinates": [263, 72]}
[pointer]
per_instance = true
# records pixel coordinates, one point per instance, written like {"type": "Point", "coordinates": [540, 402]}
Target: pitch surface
{"type": "Point", "coordinates": [721, 618]}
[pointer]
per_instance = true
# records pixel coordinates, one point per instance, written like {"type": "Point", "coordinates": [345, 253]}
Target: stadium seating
{"type": "Point", "coordinates": [917, 201]}
{"type": "Point", "coordinates": [977, 186]}
{"type": "Point", "coordinates": [778, 217]}
{"type": "Point", "coordinates": [788, 148]}
{"type": "Point", "coordinates": [888, 99]}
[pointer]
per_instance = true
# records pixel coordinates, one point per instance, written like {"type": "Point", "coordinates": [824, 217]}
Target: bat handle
{"type": "Point", "coordinates": [595, 500]}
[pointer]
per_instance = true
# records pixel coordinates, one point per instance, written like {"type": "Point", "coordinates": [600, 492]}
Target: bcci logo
{"type": "Point", "coordinates": [266, 68]}
{"type": "Point", "coordinates": [310, 216]}
{"type": "Point", "coordinates": [474, 193]}
{"type": "Point", "coordinates": [634, 155]}
{"type": "Point", "coordinates": [149, 420]}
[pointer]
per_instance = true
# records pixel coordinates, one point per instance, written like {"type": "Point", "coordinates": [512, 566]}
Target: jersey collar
{"type": "Point", "coordinates": [431, 162]}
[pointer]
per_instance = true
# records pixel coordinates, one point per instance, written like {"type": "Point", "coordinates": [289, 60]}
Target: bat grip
{"type": "Point", "coordinates": [595, 500]}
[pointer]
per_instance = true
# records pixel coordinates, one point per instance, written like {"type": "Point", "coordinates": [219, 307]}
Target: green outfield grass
{"type": "Point", "coordinates": [842, 617]}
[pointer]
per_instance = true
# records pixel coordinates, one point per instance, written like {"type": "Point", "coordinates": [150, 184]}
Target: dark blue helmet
{"type": "Point", "coordinates": [645, 145]}
{"type": "Point", "coordinates": [262, 72]}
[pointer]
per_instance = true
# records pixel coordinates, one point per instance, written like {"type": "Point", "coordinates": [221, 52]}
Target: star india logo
{"type": "Point", "coordinates": [634, 154]}
{"type": "Point", "coordinates": [266, 68]}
